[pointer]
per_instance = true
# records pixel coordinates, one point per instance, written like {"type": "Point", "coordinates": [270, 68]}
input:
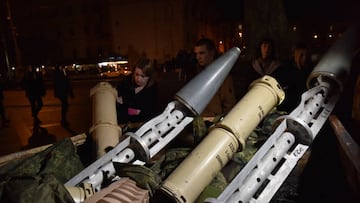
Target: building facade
{"type": "Point", "coordinates": [82, 31]}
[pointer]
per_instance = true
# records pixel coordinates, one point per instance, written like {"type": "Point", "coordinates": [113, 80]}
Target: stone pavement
{"type": "Point", "coordinates": [19, 134]}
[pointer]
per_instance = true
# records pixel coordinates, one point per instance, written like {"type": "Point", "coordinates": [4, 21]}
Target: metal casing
{"type": "Point", "coordinates": [335, 65]}
{"type": "Point", "coordinates": [105, 130]}
{"type": "Point", "coordinates": [216, 149]}
{"type": "Point", "coordinates": [198, 92]}
{"type": "Point", "coordinates": [264, 94]}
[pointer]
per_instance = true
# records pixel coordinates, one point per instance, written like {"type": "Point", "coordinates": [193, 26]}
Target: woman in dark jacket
{"type": "Point", "coordinates": [265, 62]}
{"type": "Point", "coordinates": [137, 101]}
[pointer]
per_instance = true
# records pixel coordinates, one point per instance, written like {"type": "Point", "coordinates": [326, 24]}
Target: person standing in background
{"type": "Point", "coordinates": [62, 91]}
{"type": "Point", "coordinates": [292, 76]}
{"type": "Point", "coordinates": [34, 87]}
{"type": "Point", "coordinates": [264, 62]}
{"type": "Point", "coordinates": [4, 120]}
{"type": "Point", "coordinates": [137, 100]}
{"type": "Point", "coordinates": [224, 99]}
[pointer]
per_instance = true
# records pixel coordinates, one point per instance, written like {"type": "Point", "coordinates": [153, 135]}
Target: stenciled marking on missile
{"type": "Point", "coordinates": [261, 112]}
{"type": "Point", "coordinates": [218, 157]}
{"type": "Point", "coordinates": [232, 147]}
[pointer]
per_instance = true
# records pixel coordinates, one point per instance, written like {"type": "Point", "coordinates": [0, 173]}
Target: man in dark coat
{"type": "Point", "coordinates": [34, 86]}
{"type": "Point", "coordinates": [62, 91]}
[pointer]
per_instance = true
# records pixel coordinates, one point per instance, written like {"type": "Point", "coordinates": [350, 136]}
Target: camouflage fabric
{"type": "Point", "coordinates": [41, 176]}
{"type": "Point", "coordinates": [150, 177]}
{"type": "Point", "coordinates": [169, 161]}
{"type": "Point", "coordinates": [271, 122]}
{"type": "Point", "coordinates": [142, 175]}
{"type": "Point", "coordinates": [214, 189]}
{"type": "Point", "coordinates": [199, 129]}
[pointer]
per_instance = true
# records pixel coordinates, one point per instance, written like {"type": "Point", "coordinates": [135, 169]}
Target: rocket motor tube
{"type": "Point", "coordinates": [105, 130]}
{"type": "Point", "coordinates": [201, 166]}
{"type": "Point", "coordinates": [213, 153]}
{"type": "Point", "coordinates": [265, 93]}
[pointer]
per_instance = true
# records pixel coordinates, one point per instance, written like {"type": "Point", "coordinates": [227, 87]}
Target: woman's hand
{"type": "Point", "coordinates": [119, 100]}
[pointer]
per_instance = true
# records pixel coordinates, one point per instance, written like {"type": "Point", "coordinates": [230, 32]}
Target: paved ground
{"type": "Point", "coordinates": [19, 134]}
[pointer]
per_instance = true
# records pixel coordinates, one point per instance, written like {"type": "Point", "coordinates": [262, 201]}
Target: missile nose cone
{"type": "Point", "coordinates": [198, 92]}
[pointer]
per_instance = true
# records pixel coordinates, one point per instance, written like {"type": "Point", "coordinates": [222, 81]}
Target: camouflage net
{"type": "Point", "coordinates": [152, 174]}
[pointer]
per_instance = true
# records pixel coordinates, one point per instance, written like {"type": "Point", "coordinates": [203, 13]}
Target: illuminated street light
{"type": "Point", "coordinates": [221, 47]}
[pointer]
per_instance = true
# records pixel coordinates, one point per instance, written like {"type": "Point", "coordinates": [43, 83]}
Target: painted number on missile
{"type": "Point", "coordinates": [298, 151]}
{"type": "Point", "coordinates": [220, 160]}
{"type": "Point", "coordinates": [232, 147]}
{"type": "Point", "coordinates": [261, 112]}
{"type": "Point", "coordinates": [325, 114]}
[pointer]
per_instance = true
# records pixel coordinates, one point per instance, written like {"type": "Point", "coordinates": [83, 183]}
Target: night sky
{"type": "Point", "coordinates": [323, 10]}
{"type": "Point", "coordinates": [229, 9]}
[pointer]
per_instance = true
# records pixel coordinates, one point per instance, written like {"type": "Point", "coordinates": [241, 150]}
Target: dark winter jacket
{"type": "Point", "coordinates": [145, 101]}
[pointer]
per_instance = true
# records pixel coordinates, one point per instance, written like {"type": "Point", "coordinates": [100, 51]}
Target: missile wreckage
{"type": "Point", "coordinates": [296, 132]}
{"type": "Point", "coordinates": [289, 141]}
{"type": "Point", "coordinates": [154, 135]}
{"type": "Point", "coordinates": [263, 174]}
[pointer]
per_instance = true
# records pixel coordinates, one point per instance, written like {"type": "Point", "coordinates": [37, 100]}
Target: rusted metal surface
{"type": "Point", "coordinates": [350, 152]}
